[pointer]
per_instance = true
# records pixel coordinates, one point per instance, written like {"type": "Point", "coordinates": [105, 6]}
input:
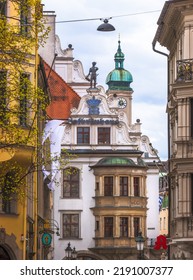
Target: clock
{"type": "Point", "coordinates": [122, 103]}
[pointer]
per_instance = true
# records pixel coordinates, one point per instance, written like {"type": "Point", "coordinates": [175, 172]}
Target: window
{"type": "Point", "coordinates": [3, 86]}
{"type": "Point", "coordinates": [97, 186]}
{"type": "Point", "coordinates": [3, 7]}
{"type": "Point", "coordinates": [136, 186]}
{"type": "Point", "coordinates": [71, 182]}
{"type": "Point", "coordinates": [108, 186]}
{"type": "Point", "coordinates": [191, 117]}
{"type": "Point", "coordinates": [24, 18]}
{"type": "Point", "coordinates": [123, 227]}
{"type": "Point", "coordinates": [108, 226]}
{"type": "Point", "coordinates": [30, 238]}
{"type": "Point", "coordinates": [24, 82]}
{"type": "Point", "coordinates": [103, 135]}
{"type": "Point", "coordinates": [123, 186]}
{"type": "Point", "coordinates": [83, 135]}
{"type": "Point", "coordinates": [136, 226]}
{"type": "Point", "coordinates": [97, 225]}
{"type": "Point", "coordinates": [191, 194]}
{"type": "Point", "coordinates": [164, 223]}
{"type": "Point", "coordinates": [70, 225]}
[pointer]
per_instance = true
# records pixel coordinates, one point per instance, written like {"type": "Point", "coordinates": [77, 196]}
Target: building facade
{"type": "Point", "coordinates": [163, 203]}
{"type": "Point", "coordinates": [175, 32]}
{"type": "Point", "coordinates": [24, 203]}
{"type": "Point", "coordinates": [108, 193]}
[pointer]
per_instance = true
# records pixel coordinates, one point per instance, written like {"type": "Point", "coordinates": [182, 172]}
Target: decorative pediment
{"type": "Point", "coordinates": [58, 49]}
{"type": "Point", "coordinates": [94, 103]}
{"type": "Point", "coordinates": [146, 147]}
{"type": "Point", "coordinates": [78, 75]}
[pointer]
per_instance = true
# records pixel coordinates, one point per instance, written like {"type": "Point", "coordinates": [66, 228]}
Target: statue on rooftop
{"type": "Point", "coordinates": [92, 75]}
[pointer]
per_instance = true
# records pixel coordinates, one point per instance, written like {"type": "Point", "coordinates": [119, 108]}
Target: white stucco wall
{"type": "Point", "coordinates": [47, 52]}
{"type": "Point", "coordinates": [82, 205]}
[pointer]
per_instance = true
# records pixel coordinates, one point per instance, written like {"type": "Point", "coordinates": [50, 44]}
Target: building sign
{"type": "Point", "coordinates": [83, 121]}
{"type": "Point", "coordinates": [161, 243]}
{"type": "Point", "coordinates": [46, 239]}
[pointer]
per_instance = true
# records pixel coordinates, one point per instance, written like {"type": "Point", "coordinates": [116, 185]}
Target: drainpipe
{"type": "Point", "coordinates": [168, 76]}
{"type": "Point", "coordinates": [24, 229]}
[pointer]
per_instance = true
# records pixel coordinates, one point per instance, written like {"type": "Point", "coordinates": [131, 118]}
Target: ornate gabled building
{"type": "Point", "coordinates": [175, 32]}
{"type": "Point", "coordinates": [108, 193]}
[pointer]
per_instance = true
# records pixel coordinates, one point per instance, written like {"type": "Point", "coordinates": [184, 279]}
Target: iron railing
{"type": "Point", "coordinates": [184, 70]}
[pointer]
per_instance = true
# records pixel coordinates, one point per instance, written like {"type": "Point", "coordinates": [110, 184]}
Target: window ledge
{"type": "Point", "coordinates": [8, 214]}
{"type": "Point", "coordinates": [70, 238]}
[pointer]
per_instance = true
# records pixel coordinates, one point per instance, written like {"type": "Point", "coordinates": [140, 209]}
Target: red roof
{"type": "Point", "coordinates": [63, 97]}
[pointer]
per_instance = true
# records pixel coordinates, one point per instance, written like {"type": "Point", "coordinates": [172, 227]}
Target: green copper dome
{"type": "Point", "coordinates": [115, 161]}
{"type": "Point", "coordinates": [119, 78]}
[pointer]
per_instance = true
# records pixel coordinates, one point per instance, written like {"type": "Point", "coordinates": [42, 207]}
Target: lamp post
{"type": "Point", "coordinates": [140, 245]}
{"type": "Point", "coordinates": [70, 254]}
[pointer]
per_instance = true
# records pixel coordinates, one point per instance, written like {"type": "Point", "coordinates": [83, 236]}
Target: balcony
{"type": "Point", "coordinates": [184, 70]}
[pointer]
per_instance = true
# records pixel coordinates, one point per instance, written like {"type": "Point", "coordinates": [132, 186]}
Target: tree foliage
{"type": "Point", "coordinates": [22, 102]}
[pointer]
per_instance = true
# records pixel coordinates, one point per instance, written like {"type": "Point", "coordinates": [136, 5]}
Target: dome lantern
{"type": "Point", "coordinates": [119, 57]}
{"type": "Point", "coordinates": [119, 78]}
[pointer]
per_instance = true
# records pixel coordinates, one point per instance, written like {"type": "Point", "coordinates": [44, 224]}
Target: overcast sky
{"type": "Point", "coordinates": [135, 22]}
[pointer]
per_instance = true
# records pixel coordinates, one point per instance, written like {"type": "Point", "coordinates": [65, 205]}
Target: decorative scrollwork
{"type": "Point", "coordinates": [184, 70]}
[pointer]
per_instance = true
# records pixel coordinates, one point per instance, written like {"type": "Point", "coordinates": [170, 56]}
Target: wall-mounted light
{"type": "Point", "coordinates": [22, 238]}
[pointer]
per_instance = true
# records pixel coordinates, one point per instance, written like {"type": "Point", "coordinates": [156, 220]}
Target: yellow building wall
{"type": "Point", "coordinates": [16, 224]}
{"type": "Point", "coordinates": [163, 218]}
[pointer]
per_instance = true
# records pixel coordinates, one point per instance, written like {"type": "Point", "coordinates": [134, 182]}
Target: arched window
{"type": "Point", "coordinates": [71, 183]}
